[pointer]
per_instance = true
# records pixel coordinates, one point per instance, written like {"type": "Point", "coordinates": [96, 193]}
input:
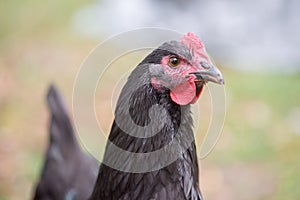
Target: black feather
{"type": "Point", "coordinates": [178, 180]}
{"type": "Point", "coordinates": [68, 173]}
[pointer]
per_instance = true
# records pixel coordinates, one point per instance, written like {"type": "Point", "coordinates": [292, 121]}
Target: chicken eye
{"type": "Point", "coordinates": [174, 61]}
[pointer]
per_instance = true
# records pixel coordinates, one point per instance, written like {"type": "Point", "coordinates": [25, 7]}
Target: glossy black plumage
{"type": "Point", "coordinates": [178, 180]}
{"type": "Point", "coordinates": [68, 172]}
{"type": "Point", "coordinates": [71, 175]}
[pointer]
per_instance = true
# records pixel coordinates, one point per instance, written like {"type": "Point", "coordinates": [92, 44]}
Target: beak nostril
{"type": "Point", "coordinates": [205, 65]}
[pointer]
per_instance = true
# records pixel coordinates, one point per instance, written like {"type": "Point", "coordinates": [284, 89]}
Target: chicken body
{"type": "Point", "coordinates": [171, 77]}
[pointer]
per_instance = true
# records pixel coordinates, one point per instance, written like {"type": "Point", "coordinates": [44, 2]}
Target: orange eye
{"type": "Point", "coordinates": [174, 61]}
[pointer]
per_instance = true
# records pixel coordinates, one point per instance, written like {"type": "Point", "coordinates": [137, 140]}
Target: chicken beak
{"type": "Point", "coordinates": [209, 72]}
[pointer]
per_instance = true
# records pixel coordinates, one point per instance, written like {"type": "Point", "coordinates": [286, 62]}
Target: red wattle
{"type": "Point", "coordinates": [184, 93]}
{"type": "Point", "coordinates": [197, 95]}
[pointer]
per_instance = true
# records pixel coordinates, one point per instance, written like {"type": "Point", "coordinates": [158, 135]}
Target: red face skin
{"type": "Point", "coordinates": [180, 82]}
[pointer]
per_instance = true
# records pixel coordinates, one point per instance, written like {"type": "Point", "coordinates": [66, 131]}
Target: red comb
{"type": "Point", "coordinates": [192, 41]}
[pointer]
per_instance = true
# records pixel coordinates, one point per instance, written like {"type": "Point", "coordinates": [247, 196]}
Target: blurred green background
{"type": "Point", "coordinates": [256, 158]}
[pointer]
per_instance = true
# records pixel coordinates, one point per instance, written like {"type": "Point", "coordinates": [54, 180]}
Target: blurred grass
{"type": "Point", "coordinates": [256, 158]}
{"type": "Point", "coordinates": [257, 132]}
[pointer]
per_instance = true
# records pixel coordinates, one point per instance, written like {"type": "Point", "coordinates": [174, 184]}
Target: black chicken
{"type": "Point", "coordinates": [170, 78]}
{"type": "Point", "coordinates": [68, 172]}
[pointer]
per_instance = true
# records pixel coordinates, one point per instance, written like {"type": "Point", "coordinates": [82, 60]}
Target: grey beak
{"type": "Point", "coordinates": [210, 73]}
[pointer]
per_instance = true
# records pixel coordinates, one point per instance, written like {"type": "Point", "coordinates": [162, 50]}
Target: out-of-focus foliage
{"type": "Point", "coordinates": [257, 156]}
{"type": "Point", "coordinates": [257, 34]}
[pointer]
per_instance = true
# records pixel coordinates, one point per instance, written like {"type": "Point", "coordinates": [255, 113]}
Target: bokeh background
{"type": "Point", "coordinates": [255, 43]}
